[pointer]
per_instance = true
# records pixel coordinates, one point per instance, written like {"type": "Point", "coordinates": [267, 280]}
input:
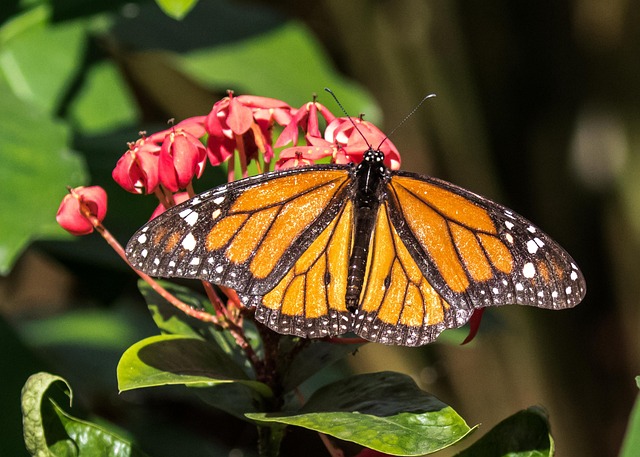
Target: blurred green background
{"type": "Point", "coordinates": [538, 107]}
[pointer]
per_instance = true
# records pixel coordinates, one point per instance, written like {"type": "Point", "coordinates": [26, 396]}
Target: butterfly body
{"type": "Point", "coordinates": [370, 177]}
{"type": "Point", "coordinates": [393, 256]}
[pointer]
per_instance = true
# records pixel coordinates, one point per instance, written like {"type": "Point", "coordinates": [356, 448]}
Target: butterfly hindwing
{"type": "Point", "coordinates": [244, 235]}
{"type": "Point", "coordinates": [309, 300]}
{"type": "Point", "coordinates": [475, 252]}
{"type": "Point", "coordinates": [398, 305]}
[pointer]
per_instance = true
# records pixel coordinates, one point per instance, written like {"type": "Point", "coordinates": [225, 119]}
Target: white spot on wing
{"type": "Point", "coordinates": [508, 224]}
{"type": "Point", "coordinates": [191, 218]}
{"type": "Point", "coordinates": [142, 239]}
{"type": "Point", "coordinates": [219, 199]}
{"type": "Point", "coordinates": [189, 242]}
{"type": "Point", "coordinates": [532, 247]}
{"type": "Point", "coordinates": [528, 270]}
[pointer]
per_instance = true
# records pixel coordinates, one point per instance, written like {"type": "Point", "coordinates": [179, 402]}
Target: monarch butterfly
{"type": "Point", "coordinates": [393, 256]}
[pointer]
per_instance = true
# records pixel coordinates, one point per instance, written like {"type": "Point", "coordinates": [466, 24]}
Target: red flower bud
{"type": "Point", "coordinates": [182, 157]}
{"type": "Point", "coordinates": [79, 206]}
{"type": "Point", "coordinates": [137, 169]}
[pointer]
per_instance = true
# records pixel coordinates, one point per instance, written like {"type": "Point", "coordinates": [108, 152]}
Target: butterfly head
{"type": "Point", "coordinates": [373, 156]}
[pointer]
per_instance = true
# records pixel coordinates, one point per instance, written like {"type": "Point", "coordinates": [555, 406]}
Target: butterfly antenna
{"type": "Point", "coordinates": [406, 118]}
{"type": "Point", "coordinates": [347, 114]}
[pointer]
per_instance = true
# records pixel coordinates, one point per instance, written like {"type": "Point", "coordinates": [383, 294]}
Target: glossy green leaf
{"type": "Point", "coordinates": [37, 165]}
{"type": "Point", "coordinates": [383, 411]}
{"type": "Point", "coordinates": [50, 431]}
{"type": "Point", "coordinates": [173, 359]}
{"type": "Point", "coordinates": [285, 63]}
{"type": "Point", "coordinates": [176, 9]}
{"type": "Point", "coordinates": [171, 320]}
{"type": "Point", "coordinates": [525, 434]}
{"type": "Point", "coordinates": [631, 443]}
{"type": "Point", "coordinates": [315, 356]}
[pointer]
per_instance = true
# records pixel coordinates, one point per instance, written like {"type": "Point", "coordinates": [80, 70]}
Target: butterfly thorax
{"type": "Point", "coordinates": [370, 178]}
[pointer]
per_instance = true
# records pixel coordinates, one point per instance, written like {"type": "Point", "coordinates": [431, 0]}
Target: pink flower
{"type": "Point", "coordinates": [182, 157]}
{"type": "Point", "coordinates": [137, 170]}
{"type": "Point", "coordinates": [352, 145]}
{"type": "Point", "coordinates": [244, 123]}
{"type": "Point", "coordinates": [79, 206]}
{"type": "Point", "coordinates": [343, 144]}
{"type": "Point", "coordinates": [305, 118]}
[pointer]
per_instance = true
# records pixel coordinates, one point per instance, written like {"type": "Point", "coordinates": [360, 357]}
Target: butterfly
{"type": "Point", "coordinates": [393, 256]}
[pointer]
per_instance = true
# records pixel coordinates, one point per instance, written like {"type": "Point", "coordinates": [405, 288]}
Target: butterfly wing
{"type": "Point", "coordinates": [398, 304]}
{"type": "Point", "coordinates": [475, 252]}
{"type": "Point", "coordinates": [244, 235]}
{"type": "Point", "coordinates": [309, 300]}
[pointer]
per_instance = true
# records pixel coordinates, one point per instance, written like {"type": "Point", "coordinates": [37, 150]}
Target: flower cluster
{"type": "Point", "coordinates": [237, 129]}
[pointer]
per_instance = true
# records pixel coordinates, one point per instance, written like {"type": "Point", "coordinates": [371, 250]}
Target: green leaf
{"type": "Point", "coordinates": [171, 320]}
{"type": "Point", "coordinates": [234, 398]}
{"type": "Point", "coordinates": [103, 102]}
{"type": "Point", "coordinates": [176, 9]}
{"type": "Point", "coordinates": [315, 356]}
{"type": "Point", "coordinates": [525, 434]}
{"type": "Point", "coordinates": [50, 431]}
{"type": "Point", "coordinates": [631, 443]}
{"type": "Point", "coordinates": [383, 411]}
{"type": "Point", "coordinates": [40, 62]}
{"type": "Point", "coordinates": [37, 165]}
{"type": "Point", "coordinates": [285, 63]}
{"type": "Point", "coordinates": [173, 359]}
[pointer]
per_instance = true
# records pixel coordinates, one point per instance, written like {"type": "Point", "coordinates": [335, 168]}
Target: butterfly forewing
{"type": "Point", "coordinates": [475, 252]}
{"type": "Point", "coordinates": [245, 235]}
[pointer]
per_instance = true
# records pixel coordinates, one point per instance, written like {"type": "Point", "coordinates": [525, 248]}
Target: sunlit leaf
{"type": "Point", "coordinates": [257, 65]}
{"type": "Point", "coordinates": [40, 63]}
{"type": "Point", "coordinates": [37, 165]}
{"type": "Point", "coordinates": [176, 9]}
{"type": "Point", "coordinates": [103, 102]}
{"type": "Point", "coordinates": [631, 443]}
{"type": "Point", "coordinates": [50, 431]}
{"type": "Point", "coordinates": [383, 411]}
{"type": "Point", "coordinates": [173, 359]}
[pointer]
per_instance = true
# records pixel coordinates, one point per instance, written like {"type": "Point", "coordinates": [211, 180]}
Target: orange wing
{"type": "Point", "coordinates": [309, 300]}
{"type": "Point", "coordinates": [398, 304]}
{"type": "Point", "coordinates": [475, 252]}
{"type": "Point", "coordinates": [244, 235]}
